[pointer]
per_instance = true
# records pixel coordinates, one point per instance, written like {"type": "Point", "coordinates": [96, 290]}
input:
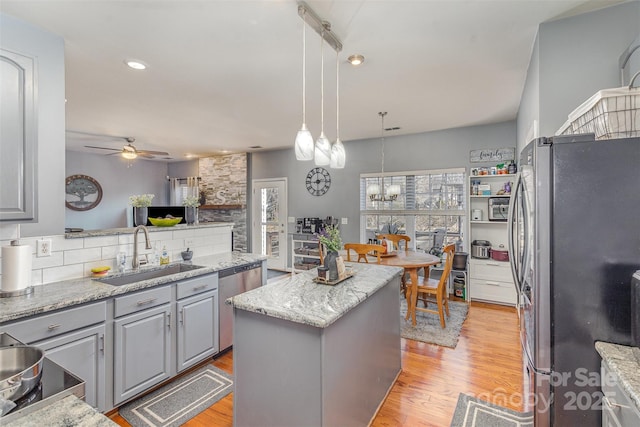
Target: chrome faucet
{"type": "Point", "coordinates": [135, 263]}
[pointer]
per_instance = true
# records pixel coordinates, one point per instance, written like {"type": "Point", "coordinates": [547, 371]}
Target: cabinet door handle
{"type": "Point", "coordinates": [146, 301]}
{"type": "Point", "coordinates": [101, 343]}
{"type": "Point", "coordinates": [169, 320]}
{"type": "Point", "coordinates": [199, 288]}
{"type": "Point", "coordinates": [612, 404]}
{"type": "Point", "coordinates": [492, 283]}
{"type": "Point", "coordinates": [182, 316]}
{"type": "Point", "coordinates": [494, 264]}
{"type": "Point", "coordinates": [54, 326]}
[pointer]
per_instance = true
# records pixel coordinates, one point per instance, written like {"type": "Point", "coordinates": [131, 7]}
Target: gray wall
{"type": "Point", "coordinates": [21, 37]}
{"type": "Point", "coordinates": [430, 150]}
{"type": "Point", "coordinates": [575, 57]}
{"type": "Point", "coordinates": [118, 180]}
{"type": "Point", "coordinates": [183, 169]}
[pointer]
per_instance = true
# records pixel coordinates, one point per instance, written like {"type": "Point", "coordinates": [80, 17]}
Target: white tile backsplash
{"type": "Point", "coordinates": [77, 256]}
{"type": "Point", "coordinates": [74, 258]}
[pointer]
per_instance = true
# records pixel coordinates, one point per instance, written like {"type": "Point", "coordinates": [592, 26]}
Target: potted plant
{"type": "Point", "coordinates": [330, 238]}
{"type": "Point", "coordinates": [140, 203]}
{"type": "Point", "coordinates": [191, 204]}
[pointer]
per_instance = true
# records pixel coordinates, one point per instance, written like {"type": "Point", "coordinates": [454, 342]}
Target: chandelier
{"type": "Point", "coordinates": [323, 152]}
{"type": "Point", "coordinates": [376, 192]}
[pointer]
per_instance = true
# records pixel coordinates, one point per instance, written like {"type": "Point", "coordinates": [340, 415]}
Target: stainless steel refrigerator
{"type": "Point", "coordinates": [575, 243]}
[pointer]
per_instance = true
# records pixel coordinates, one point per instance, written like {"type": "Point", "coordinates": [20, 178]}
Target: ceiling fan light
{"type": "Point", "coordinates": [322, 151]}
{"type": "Point", "coordinates": [338, 155]}
{"type": "Point", "coordinates": [304, 144]}
{"type": "Point", "coordinates": [129, 155]}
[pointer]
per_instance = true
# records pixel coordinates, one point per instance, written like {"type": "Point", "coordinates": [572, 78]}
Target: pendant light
{"type": "Point", "coordinates": [304, 140]}
{"type": "Point", "coordinates": [338, 155]}
{"type": "Point", "coordinates": [323, 146]}
{"type": "Point", "coordinates": [375, 192]}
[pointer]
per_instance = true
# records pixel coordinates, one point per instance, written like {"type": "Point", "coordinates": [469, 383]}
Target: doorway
{"type": "Point", "coordinates": [269, 221]}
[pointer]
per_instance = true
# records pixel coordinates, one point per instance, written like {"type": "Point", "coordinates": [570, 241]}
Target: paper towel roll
{"type": "Point", "coordinates": [16, 267]}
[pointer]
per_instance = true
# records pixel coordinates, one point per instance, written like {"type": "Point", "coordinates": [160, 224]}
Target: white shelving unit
{"type": "Point", "coordinates": [488, 279]}
{"type": "Point", "coordinates": [305, 252]}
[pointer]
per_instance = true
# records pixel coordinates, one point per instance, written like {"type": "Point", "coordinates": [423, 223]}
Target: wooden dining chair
{"type": "Point", "coordinates": [435, 291]}
{"type": "Point", "coordinates": [362, 249]}
{"type": "Point", "coordinates": [397, 240]}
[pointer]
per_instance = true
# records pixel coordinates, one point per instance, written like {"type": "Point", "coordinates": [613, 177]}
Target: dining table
{"type": "Point", "coordinates": [412, 262]}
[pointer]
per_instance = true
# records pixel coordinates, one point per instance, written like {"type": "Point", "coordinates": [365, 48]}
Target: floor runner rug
{"type": "Point", "coordinates": [473, 412]}
{"type": "Point", "coordinates": [180, 400]}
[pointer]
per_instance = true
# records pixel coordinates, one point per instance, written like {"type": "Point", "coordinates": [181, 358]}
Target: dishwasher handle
{"type": "Point", "coordinates": [238, 269]}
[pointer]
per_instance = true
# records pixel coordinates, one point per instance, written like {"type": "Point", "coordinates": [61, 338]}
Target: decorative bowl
{"type": "Point", "coordinates": [165, 222]}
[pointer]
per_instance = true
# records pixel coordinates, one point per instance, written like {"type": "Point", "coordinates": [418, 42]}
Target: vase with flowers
{"type": "Point", "coordinates": [191, 204]}
{"type": "Point", "coordinates": [140, 203]}
{"type": "Point", "coordinates": [330, 238]}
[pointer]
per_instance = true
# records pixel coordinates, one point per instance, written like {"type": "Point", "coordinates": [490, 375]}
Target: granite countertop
{"type": "Point", "coordinates": [624, 361]}
{"type": "Point", "coordinates": [57, 295]}
{"type": "Point", "coordinates": [67, 412]}
{"type": "Point", "coordinates": [129, 230]}
{"type": "Point", "coordinates": [301, 300]}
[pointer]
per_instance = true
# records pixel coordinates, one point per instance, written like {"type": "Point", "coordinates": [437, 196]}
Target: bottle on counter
{"type": "Point", "coordinates": [122, 261]}
{"type": "Point", "coordinates": [164, 258]}
{"type": "Point", "coordinates": [156, 255]}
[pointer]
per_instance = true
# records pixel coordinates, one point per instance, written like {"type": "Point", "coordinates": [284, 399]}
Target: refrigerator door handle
{"type": "Point", "coordinates": [526, 256]}
{"type": "Point", "coordinates": [511, 235]}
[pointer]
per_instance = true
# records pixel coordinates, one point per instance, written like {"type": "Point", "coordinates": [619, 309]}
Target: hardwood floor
{"type": "Point", "coordinates": [487, 363]}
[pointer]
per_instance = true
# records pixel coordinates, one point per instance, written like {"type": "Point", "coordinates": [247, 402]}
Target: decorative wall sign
{"type": "Point", "coordinates": [492, 155]}
{"type": "Point", "coordinates": [83, 192]}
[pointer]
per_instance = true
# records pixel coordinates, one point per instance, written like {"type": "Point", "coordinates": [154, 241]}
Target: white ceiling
{"type": "Point", "coordinates": [227, 74]}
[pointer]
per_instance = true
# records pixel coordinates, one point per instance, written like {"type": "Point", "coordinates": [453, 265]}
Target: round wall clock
{"type": "Point", "coordinates": [318, 181]}
{"type": "Point", "coordinates": [83, 192]}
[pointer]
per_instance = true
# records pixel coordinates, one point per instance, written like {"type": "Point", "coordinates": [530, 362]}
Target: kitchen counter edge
{"type": "Point", "coordinates": [623, 362]}
{"type": "Point", "coordinates": [301, 300]}
{"type": "Point", "coordinates": [57, 295]}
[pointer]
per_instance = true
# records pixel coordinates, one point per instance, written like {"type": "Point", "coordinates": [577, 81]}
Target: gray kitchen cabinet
{"type": "Point", "coordinates": [197, 329]}
{"type": "Point", "coordinates": [82, 353]}
{"type": "Point", "coordinates": [142, 342]}
{"type": "Point", "coordinates": [74, 339]}
{"type": "Point", "coordinates": [617, 408]}
{"type": "Point", "coordinates": [18, 132]}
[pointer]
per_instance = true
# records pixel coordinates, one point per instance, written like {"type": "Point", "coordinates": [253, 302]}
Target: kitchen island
{"type": "Point", "coordinates": [316, 355]}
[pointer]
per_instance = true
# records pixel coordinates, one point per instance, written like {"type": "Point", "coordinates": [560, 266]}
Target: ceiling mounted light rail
{"type": "Point", "coordinates": [323, 152]}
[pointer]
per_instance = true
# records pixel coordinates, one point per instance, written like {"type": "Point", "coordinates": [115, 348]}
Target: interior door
{"type": "Point", "coordinates": [269, 221]}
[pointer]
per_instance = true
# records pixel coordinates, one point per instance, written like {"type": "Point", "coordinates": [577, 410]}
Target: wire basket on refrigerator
{"type": "Point", "coordinates": [610, 113]}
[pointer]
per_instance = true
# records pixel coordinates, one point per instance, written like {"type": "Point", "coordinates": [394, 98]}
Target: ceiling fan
{"type": "Point", "coordinates": [128, 151]}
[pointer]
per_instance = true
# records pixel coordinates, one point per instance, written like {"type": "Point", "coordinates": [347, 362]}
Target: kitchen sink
{"type": "Point", "coordinates": [129, 278]}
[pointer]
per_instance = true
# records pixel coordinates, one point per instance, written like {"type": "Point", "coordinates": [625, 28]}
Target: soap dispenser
{"type": "Point", "coordinates": [164, 258]}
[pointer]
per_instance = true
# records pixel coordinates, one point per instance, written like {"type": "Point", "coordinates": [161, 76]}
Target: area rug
{"type": "Point", "coordinates": [428, 327]}
{"type": "Point", "coordinates": [180, 400]}
{"type": "Point", "coordinates": [473, 412]}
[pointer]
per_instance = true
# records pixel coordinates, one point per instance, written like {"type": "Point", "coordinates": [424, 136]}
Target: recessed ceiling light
{"type": "Point", "coordinates": [135, 64]}
{"type": "Point", "coordinates": [355, 60]}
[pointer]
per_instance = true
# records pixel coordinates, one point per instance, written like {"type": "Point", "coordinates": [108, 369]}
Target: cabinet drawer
{"type": "Point", "coordinates": [51, 325]}
{"type": "Point", "coordinates": [141, 300]}
{"type": "Point", "coordinates": [617, 408]}
{"type": "Point", "coordinates": [197, 285]}
{"type": "Point", "coordinates": [491, 270]}
{"type": "Point", "coordinates": [493, 290]}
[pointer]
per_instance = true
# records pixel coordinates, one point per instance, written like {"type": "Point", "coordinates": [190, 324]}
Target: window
{"type": "Point", "coordinates": [430, 209]}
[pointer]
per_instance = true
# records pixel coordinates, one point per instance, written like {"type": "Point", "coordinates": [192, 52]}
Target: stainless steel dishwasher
{"type": "Point", "coordinates": [233, 281]}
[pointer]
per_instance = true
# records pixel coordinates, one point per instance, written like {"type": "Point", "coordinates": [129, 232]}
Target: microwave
{"type": "Point", "coordinates": [498, 208]}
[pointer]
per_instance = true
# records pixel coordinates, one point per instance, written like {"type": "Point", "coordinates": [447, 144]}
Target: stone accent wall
{"type": "Point", "coordinates": [224, 182]}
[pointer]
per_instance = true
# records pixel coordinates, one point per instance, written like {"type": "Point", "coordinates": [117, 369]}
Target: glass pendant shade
{"type": "Point", "coordinates": [322, 151]}
{"type": "Point", "coordinates": [393, 190]}
{"type": "Point", "coordinates": [373, 190]}
{"type": "Point", "coordinates": [338, 155]}
{"type": "Point", "coordinates": [304, 144]}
